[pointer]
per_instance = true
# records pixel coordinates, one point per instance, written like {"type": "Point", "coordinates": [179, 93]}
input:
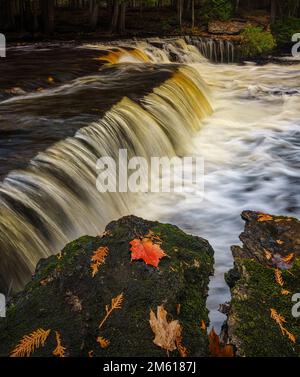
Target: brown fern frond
{"type": "Point", "coordinates": [268, 254]}
{"type": "Point", "coordinates": [291, 336]}
{"type": "Point", "coordinates": [59, 350]}
{"type": "Point", "coordinates": [278, 277]}
{"type": "Point", "coordinates": [288, 259]}
{"type": "Point", "coordinates": [279, 319]}
{"type": "Point", "coordinates": [98, 258]}
{"type": "Point", "coordinates": [285, 292]}
{"type": "Point", "coordinates": [29, 343]}
{"type": "Point", "coordinates": [116, 303]}
{"type": "Point", "coordinates": [104, 343]}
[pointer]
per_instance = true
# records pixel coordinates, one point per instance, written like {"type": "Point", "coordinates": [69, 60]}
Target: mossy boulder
{"type": "Point", "coordinates": [64, 297]}
{"type": "Point", "coordinates": [267, 241]}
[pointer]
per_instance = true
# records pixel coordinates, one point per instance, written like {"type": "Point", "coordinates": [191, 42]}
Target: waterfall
{"type": "Point", "coordinates": [218, 51]}
{"type": "Point", "coordinates": [187, 49]}
{"type": "Point", "coordinates": [55, 200]}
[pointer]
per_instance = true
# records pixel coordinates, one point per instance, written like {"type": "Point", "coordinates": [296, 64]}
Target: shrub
{"type": "Point", "coordinates": [285, 29]}
{"type": "Point", "coordinates": [216, 10]}
{"type": "Point", "coordinates": [256, 41]}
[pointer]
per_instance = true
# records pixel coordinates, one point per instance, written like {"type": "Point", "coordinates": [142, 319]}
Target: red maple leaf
{"type": "Point", "coordinates": [145, 249]}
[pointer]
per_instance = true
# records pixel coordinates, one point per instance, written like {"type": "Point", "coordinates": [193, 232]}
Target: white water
{"type": "Point", "coordinates": [250, 145]}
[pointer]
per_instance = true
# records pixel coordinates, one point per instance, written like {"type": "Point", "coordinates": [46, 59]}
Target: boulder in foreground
{"type": "Point", "coordinates": [265, 277]}
{"type": "Point", "coordinates": [76, 291]}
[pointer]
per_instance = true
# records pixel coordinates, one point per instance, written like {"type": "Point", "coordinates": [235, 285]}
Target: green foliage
{"type": "Point", "coordinates": [284, 30]}
{"type": "Point", "coordinates": [256, 41]}
{"type": "Point", "coordinates": [215, 10]}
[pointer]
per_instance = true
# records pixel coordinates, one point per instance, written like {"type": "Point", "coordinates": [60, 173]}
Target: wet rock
{"type": "Point", "coordinates": [270, 248]}
{"type": "Point", "coordinates": [15, 91]}
{"type": "Point", "coordinates": [64, 297]}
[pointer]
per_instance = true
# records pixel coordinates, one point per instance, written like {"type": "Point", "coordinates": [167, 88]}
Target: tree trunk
{"type": "Point", "coordinates": [179, 12]}
{"type": "Point", "coordinates": [193, 13]}
{"type": "Point", "coordinates": [94, 12]}
{"type": "Point", "coordinates": [273, 11]}
{"type": "Point", "coordinates": [47, 8]}
{"type": "Point", "coordinates": [115, 15]}
{"type": "Point", "coordinates": [122, 18]}
{"type": "Point", "coordinates": [35, 22]}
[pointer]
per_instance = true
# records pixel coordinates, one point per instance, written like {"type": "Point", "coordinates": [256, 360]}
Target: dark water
{"type": "Point", "coordinates": [80, 91]}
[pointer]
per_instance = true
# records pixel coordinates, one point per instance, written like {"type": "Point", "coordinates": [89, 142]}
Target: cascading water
{"type": "Point", "coordinates": [218, 51]}
{"type": "Point", "coordinates": [250, 144]}
{"type": "Point", "coordinates": [56, 200]}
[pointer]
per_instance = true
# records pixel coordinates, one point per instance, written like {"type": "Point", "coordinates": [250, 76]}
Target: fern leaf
{"type": "Point", "coordinates": [29, 343]}
{"type": "Point", "coordinates": [104, 343]}
{"type": "Point", "coordinates": [268, 254]}
{"type": "Point", "coordinates": [59, 350]}
{"type": "Point", "coordinates": [278, 277]}
{"type": "Point", "coordinates": [279, 319]}
{"type": "Point", "coordinates": [98, 258]}
{"type": "Point", "coordinates": [288, 258]}
{"type": "Point", "coordinates": [116, 303]}
{"type": "Point", "coordinates": [291, 336]}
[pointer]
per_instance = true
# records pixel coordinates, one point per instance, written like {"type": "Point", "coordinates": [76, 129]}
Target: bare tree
{"type": "Point", "coordinates": [47, 11]}
{"type": "Point", "coordinates": [94, 13]}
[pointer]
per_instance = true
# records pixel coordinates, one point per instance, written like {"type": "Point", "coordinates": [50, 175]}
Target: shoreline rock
{"type": "Point", "coordinates": [265, 276]}
{"type": "Point", "coordinates": [64, 297]}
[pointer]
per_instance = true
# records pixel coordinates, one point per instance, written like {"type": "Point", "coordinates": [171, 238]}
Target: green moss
{"type": "Point", "coordinates": [182, 278]}
{"type": "Point", "coordinates": [258, 292]}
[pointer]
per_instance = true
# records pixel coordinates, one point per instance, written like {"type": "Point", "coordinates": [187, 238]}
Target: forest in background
{"type": "Point", "coordinates": [69, 19]}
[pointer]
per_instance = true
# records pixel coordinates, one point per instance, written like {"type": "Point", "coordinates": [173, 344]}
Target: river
{"type": "Point", "coordinates": [75, 104]}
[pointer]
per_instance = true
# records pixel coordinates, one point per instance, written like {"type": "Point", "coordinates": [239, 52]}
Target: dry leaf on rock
{"type": "Point", "coordinates": [166, 333]}
{"type": "Point", "coordinates": [264, 217]}
{"type": "Point", "coordinates": [29, 343]}
{"type": "Point", "coordinates": [98, 258]}
{"type": "Point", "coordinates": [116, 303]}
{"type": "Point", "coordinates": [217, 349]}
{"type": "Point", "coordinates": [59, 350]}
{"type": "Point", "coordinates": [104, 343]}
